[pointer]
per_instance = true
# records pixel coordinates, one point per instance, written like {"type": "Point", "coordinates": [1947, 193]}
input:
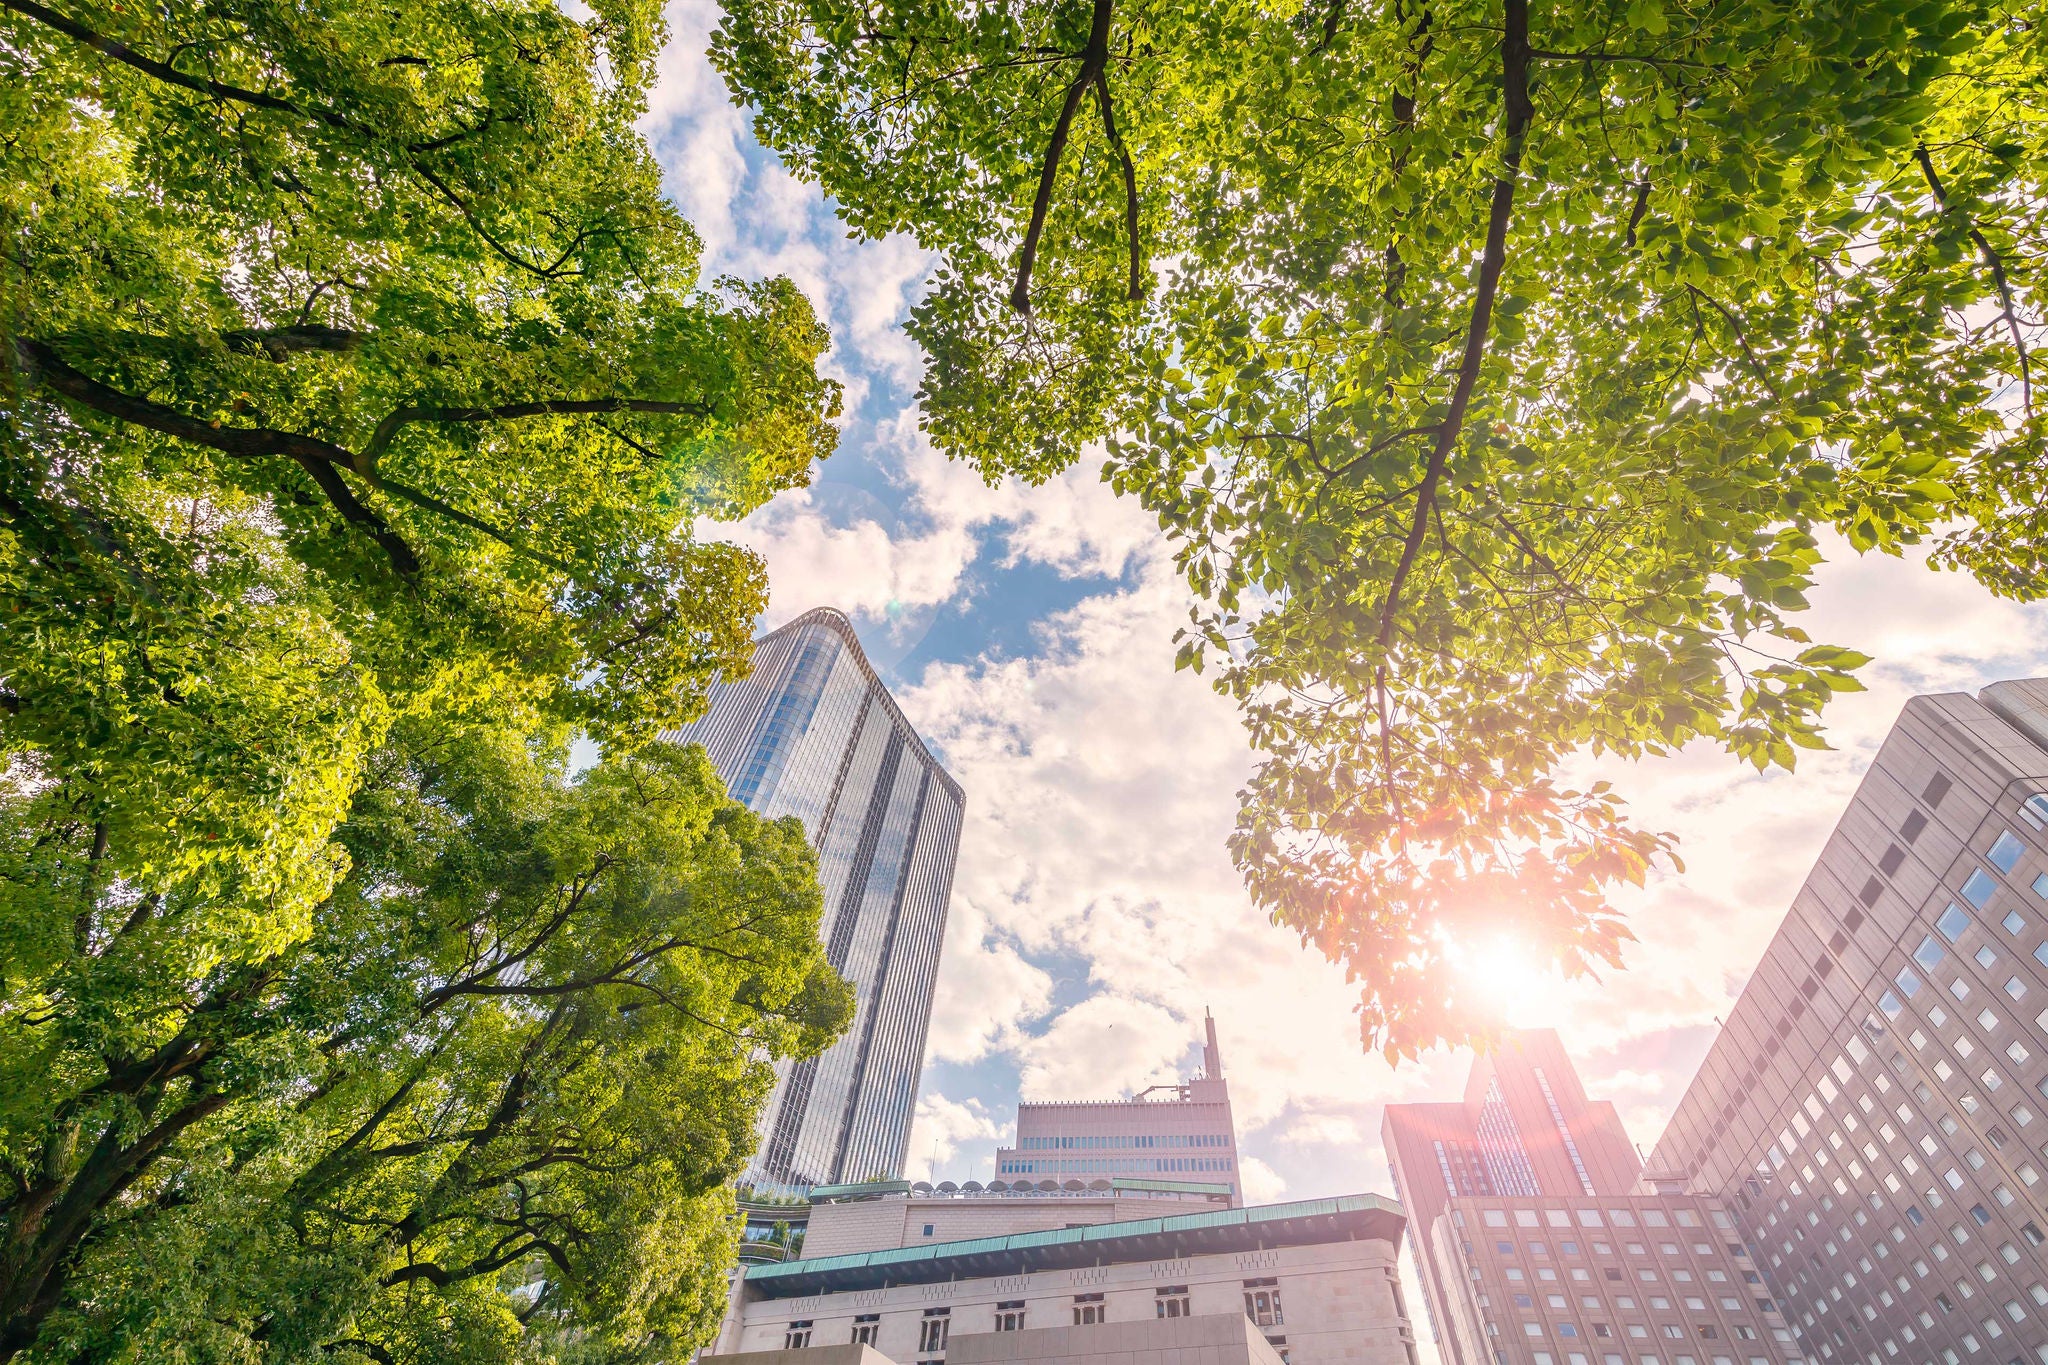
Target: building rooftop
{"type": "Point", "coordinates": [1301, 1223]}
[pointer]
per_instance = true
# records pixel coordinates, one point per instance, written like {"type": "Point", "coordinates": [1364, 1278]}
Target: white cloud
{"type": "Point", "coordinates": [942, 1127]}
{"type": "Point", "coordinates": [1262, 1184]}
{"type": "Point", "coordinates": [987, 993]}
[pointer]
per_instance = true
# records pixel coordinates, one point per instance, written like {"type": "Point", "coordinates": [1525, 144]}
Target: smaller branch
{"type": "Point", "coordinates": [1130, 182]}
{"type": "Point", "coordinates": [1996, 265]}
{"type": "Point", "coordinates": [401, 418]}
{"type": "Point", "coordinates": [1635, 216]}
{"type": "Point", "coordinates": [1741, 337]}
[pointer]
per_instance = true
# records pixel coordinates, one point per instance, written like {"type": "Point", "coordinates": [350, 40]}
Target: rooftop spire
{"type": "Point", "coordinates": [1212, 1056]}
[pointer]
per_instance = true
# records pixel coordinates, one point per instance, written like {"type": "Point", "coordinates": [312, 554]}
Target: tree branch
{"type": "Point", "coordinates": [1635, 216]}
{"type": "Point", "coordinates": [279, 342]}
{"type": "Point", "coordinates": [1094, 58]}
{"type": "Point", "coordinates": [400, 418]}
{"type": "Point", "coordinates": [1130, 182]}
{"type": "Point", "coordinates": [1996, 264]}
{"type": "Point", "coordinates": [128, 56]}
{"type": "Point", "coordinates": [317, 457]}
{"type": "Point", "coordinates": [1518, 112]}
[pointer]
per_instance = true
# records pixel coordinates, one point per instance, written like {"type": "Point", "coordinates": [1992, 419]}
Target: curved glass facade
{"type": "Point", "coordinates": [813, 733]}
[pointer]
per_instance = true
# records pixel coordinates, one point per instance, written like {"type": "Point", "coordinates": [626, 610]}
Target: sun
{"type": "Point", "coordinates": [1508, 981]}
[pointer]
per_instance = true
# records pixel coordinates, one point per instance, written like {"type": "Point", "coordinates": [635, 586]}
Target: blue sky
{"type": "Point", "coordinates": [1027, 633]}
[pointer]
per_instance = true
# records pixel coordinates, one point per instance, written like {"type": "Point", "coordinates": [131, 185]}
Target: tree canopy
{"type": "Point", "coordinates": [360, 404]}
{"type": "Point", "coordinates": [1500, 371]}
{"type": "Point", "coordinates": [488, 1108]}
{"type": "Point", "coordinates": [356, 365]}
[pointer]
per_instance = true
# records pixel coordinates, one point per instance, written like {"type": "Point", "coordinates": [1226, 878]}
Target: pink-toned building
{"type": "Point", "coordinates": [1543, 1241]}
{"type": "Point", "coordinates": [1181, 1133]}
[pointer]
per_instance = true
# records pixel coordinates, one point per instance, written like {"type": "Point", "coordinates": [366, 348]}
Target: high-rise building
{"type": "Point", "coordinates": [812, 732]}
{"type": "Point", "coordinates": [1185, 1134]}
{"type": "Point", "coordinates": [1875, 1112]}
{"type": "Point", "coordinates": [1541, 1242]}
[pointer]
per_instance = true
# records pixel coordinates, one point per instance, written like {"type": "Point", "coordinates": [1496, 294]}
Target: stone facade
{"type": "Point", "coordinates": [1213, 1339]}
{"type": "Point", "coordinates": [1318, 1280]}
{"type": "Point", "coordinates": [1187, 1136]}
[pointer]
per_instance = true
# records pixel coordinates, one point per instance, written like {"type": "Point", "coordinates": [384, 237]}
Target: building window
{"type": "Point", "coordinates": [1170, 1301]}
{"type": "Point", "coordinates": [933, 1331]}
{"type": "Point", "coordinates": [2005, 851]}
{"type": "Point", "coordinates": [1088, 1309]}
{"type": "Point", "coordinates": [1262, 1302]}
{"type": "Point", "coordinates": [797, 1336]}
{"type": "Point", "coordinates": [1010, 1316]}
{"type": "Point", "coordinates": [866, 1328]}
{"type": "Point", "coordinates": [927, 1229]}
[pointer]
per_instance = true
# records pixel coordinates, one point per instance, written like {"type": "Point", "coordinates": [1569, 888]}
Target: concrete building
{"type": "Point", "coordinates": [1172, 1132]}
{"type": "Point", "coordinates": [1309, 1283]}
{"type": "Point", "coordinates": [1875, 1113]}
{"type": "Point", "coordinates": [1540, 1242]}
{"type": "Point", "coordinates": [812, 732]}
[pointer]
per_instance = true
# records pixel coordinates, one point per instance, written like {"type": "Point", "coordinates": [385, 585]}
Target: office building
{"type": "Point", "coordinates": [1308, 1283]}
{"type": "Point", "coordinates": [1540, 1241]}
{"type": "Point", "coordinates": [813, 733]}
{"type": "Point", "coordinates": [1147, 1265]}
{"type": "Point", "coordinates": [1875, 1112]}
{"type": "Point", "coordinates": [1170, 1132]}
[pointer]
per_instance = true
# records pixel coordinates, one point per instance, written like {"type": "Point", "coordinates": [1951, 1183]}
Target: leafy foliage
{"type": "Point", "coordinates": [359, 402]}
{"type": "Point", "coordinates": [357, 366]}
{"type": "Point", "coordinates": [1498, 370]}
{"type": "Point", "coordinates": [491, 1103]}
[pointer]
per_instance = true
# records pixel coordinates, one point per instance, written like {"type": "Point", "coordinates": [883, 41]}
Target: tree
{"type": "Point", "coordinates": [354, 365]}
{"type": "Point", "coordinates": [493, 1103]}
{"type": "Point", "coordinates": [357, 386]}
{"type": "Point", "coordinates": [1496, 368]}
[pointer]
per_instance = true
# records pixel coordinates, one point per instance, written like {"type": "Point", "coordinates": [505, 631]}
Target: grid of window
{"type": "Point", "coordinates": [1507, 1161]}
{"type": "Point", "coordinates": [1564, 1131]}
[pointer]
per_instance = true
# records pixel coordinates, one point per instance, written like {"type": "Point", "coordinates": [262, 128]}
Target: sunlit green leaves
{"type": "Point", "coordinates": [1751, 294]}
{"type": "Point", "coordinates": [357, 378]}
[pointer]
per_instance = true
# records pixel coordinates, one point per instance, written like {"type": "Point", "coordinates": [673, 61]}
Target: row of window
{"type": "Point", "coordinates": [1085, 1165]}
{"type": "Point", "coordinates": [1592, 1218]}
{"type": "Point", "coordinates": [1261, 1306]}
{"type": "Point", "coordinates": [1574, 1358]}
{"type": "Point", "coordinates": [1706, 1331]}
{"type": "Point", "coordinates": [1101, 1143]}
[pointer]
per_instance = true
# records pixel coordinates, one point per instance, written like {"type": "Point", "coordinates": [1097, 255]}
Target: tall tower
{"type": "Point", "coordinates": [1874, 1112]}
{"type": "Point", "coordinates": [813, 733]}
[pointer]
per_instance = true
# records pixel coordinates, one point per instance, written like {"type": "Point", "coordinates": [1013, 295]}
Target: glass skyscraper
{"type": "Point", "coordinates": [813, 733]}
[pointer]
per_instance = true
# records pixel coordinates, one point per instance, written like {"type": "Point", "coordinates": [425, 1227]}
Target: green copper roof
{"type": "Point", "coordinates": [823, 1193]}
{"type": "Point", "coordinates": [1190, 1234]}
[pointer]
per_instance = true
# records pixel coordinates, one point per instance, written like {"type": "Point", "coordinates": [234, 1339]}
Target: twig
{"type": "Point", "coordinates": [1996, 264]}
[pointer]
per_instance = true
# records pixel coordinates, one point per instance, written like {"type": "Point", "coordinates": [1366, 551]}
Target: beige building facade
{"type": "Point", "coordinates": [1316, 1282]}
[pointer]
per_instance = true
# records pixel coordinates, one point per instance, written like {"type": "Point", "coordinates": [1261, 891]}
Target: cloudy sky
{"type": "Point", "coordinates": [1095, 914]}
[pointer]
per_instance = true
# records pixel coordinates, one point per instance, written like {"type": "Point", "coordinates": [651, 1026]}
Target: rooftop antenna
{"type": "Point", "coordinates": [1212, 1055]}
